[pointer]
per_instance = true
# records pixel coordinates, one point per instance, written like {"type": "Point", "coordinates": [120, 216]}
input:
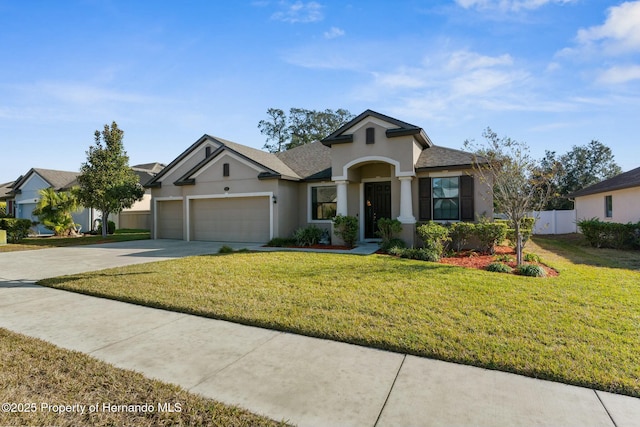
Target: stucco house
{"type": "Point", "coordinates": [373, 167]}
{"type": "Point", "coordinates": [615, 200]}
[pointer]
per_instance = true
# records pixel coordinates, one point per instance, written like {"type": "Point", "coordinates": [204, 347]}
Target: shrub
{"type": "Point", "coordinates": [111, 227]}
{"type": "Point", "coordinates": [280, 242]}
{"type": "Point", "coordinates": [460, 233]}
{"type": "Point", "coordinates": [3, 209]}
{"type": "Point", "coordinates": [614, 235]}
{"type": "Point", "coordinates": [434, 236]}
{"type": "Point", "coordinates": [17, 228]}
{"type": "Point", "coordinates": [225, 250]}
{"type": "Point", "coordinates": [531, 270]}
{"type": "Point", "coordinates": [387, 228]}
{"type": "Point", "coordinates": [531, 258]}
{"type": "Point", "coordinates": [504, 258]}
{"type": "Point", "coordinates": [422, 254]}
{"type": "Point", "coordinates": [393, 243]}
{"type": "Point", "coordinates": [499, 267]}
{"type": "Point", "coordinates": [346, 227]}
{"type": "Point", "coordinates": [490, 234]}
{"type": "Point", "coordinates": [307, 236]}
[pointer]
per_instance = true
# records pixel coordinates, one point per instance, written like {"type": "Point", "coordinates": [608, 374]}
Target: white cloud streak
{"type": "Point", "coordinates": [333, 33]}
{"type": "Point", "coordinates": [299, 12]}
{"type": "Point", "coordinates": [508, 5]}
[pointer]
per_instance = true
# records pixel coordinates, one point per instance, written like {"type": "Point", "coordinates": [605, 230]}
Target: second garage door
{"type": "Point", "coordinates": [234, 219]}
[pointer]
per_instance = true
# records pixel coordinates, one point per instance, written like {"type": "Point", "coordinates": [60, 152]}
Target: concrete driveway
{"type": "Point", "coordinates": [43, 263]}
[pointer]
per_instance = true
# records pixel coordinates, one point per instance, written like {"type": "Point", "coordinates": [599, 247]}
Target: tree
{"type": "Point", "coordinates": [581, 167]}
{"type": "Point", "coordinates": [300, 127]}
{"type": "Point", "coordinates": [54, 211]}
{"type": "Point", "coordinates": [106, 182]}
{"type": "Point", "coordinates": [510, 172]}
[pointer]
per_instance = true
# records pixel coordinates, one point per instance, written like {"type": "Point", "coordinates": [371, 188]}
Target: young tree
{"type": "Point", "coordinates": [54, 211]}
{"type": "Point", "coordinates": [106, 182]}
{"type": "Point", "coordinates": [511, 173]}
{"type": "Point", "coordinates": [300, 127]}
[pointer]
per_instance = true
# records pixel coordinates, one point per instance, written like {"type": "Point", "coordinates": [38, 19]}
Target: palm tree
{"type": "Point", "coordinates": [54, 211]}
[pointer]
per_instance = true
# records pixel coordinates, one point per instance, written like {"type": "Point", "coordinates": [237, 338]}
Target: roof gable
{"type": "Point", "coordinates": [624, 180]}
{"type": "Point", "coordinates": [397, 128]}
{"type": "Point", "coordinates": [58, 180]}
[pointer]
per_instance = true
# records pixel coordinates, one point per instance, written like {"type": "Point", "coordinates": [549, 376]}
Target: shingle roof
{"type": "Point", "coordinates": [5, 189]}
{"type": "Point", "coordinates": [59, 180]}
{"type": "Point", "coordinates": [309, 161]}
{"type": "Point", "coordinates": [624, 180]}
{"type": "Point", "coordinates": [436, 157]}
{"type": "Point", "coordinates": [154, 167]}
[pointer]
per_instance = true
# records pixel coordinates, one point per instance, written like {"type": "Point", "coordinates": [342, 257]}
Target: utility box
{"type": "Point", "coordinates": [3, 237]}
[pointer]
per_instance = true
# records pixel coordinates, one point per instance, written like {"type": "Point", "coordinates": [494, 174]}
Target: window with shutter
{"type": "Point", "coordinates": [424, 199]}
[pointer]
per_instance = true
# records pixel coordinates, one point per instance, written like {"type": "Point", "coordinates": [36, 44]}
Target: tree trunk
{"type": "Point", "coordinates": [518, 244]}
{"type": "Point", "coordinates": [105, 223]}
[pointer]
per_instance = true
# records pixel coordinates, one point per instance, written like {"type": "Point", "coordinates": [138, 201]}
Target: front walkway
{"type": "Point", "coordinates": [305, 380]}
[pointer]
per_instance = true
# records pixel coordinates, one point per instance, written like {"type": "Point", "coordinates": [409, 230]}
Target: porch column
{"type": "Point", "coordinates": [341, 203]}
{"type": "Point", "coordinates": [406, 203]}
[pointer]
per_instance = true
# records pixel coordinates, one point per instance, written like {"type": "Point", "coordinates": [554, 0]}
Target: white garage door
{"type": "Point", "coordinates": [234, 219]}
{"type": "Point", "coordinates": [169, 217]}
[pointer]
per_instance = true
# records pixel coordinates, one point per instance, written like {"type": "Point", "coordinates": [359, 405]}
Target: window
{"type": "Point", "coordinates": [446, 198]}
{"type": "Point", "coordinates": [371, 135]}
{"type": "Point", "coordinates": [323, 202]}
{"type": "Point", "coordinates": [608, 206]}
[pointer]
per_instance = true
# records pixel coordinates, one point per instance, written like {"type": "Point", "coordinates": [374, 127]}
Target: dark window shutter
{"type": "Point", "coordinates": [225, 169]}
{"type": "Point", "coordinates": [424, 199]}
{"type": "Point", "coordinates": [371, 135]}
{"type": "Point", "coordinates": [207, 151]}
{"type": "Point", "coordinates": [466, 198]}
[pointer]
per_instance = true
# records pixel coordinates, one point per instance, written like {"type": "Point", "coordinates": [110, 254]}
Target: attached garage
{"type": "Point", "coordinates": [230, 219]}
{"type": "Point", "coordinates": [169, 219]}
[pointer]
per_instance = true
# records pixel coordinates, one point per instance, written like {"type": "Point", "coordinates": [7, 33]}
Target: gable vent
{"type": "Point", "coordinates": [371, 135]}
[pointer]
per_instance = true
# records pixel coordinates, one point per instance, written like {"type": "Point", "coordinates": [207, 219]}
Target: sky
{"type": "Point", "coordinates": [550, 73]}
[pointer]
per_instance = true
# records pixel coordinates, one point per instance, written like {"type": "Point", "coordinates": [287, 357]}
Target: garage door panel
{"type": "Point", "coordinates": [170, 218]}
{"type": "Point", "coordinates": [236, 219]}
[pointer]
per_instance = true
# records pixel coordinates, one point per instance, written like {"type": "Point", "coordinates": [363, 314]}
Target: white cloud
{"type": "Point", "coordinates": [299, 12]}
{"type": "Point", "coordinates": [620, 74]}
{"type": "Point", "coordinates": [508, 5]}
{"type": "Point", "coordinates": [333, 33]}
{"type": "Point", "coordinates": [620, 33]}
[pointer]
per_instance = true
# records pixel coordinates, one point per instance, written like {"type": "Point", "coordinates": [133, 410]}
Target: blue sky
{"type": "Point", "coordinates": [551, 73]}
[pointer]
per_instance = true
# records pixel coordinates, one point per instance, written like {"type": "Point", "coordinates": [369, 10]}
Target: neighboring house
{"type": "Point", "coordinates": [25, 196]}
{"type": "Point", "coordinates": [373, 167]}
{"type": "Point", "coordinates": [615, 199]}
{"type": "Point", "coordinates": [138, 216]}
{"type": "Point", "coordinates": [25, 192]}
{"type": "Point", "coordinates": [5, 196]}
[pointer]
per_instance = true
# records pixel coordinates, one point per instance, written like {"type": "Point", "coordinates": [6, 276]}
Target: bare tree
{"type": "Point", "coordinates": [518, 187]}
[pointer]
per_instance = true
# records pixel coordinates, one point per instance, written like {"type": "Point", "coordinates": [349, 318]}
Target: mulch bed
{"type": "Point", "coordinates": [471, 259]}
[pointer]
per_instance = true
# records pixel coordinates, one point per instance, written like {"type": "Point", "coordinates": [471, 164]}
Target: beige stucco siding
{"type": "Point", "coordinates": [626, 206]}
{"type": "Point", "coordinates": [287, 208]}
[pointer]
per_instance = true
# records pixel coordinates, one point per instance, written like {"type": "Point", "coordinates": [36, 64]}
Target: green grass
{"type": "Point", "coordinates": [579, 328]}
{"type": "Point", "coordinates": [34, 371]}
{"type": "Point", "coordinates": [31, 243]}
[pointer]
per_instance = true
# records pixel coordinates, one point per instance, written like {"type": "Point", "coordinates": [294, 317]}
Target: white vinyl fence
{"type": "Point", "coordinates": [555, 222]}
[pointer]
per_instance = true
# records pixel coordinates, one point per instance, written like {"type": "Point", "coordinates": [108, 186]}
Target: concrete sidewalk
{"type": "Point", "coordinates": [308, 381]}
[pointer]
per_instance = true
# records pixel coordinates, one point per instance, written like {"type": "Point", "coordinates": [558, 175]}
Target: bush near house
{"type": "Point", "coordinates": [17, 228]}
{"type": "Point", "coordinates": [387, 229]}
{"type": "Point", "coordinates": [613, 235]}
{"type": "Point", "coordinates": [307, 236]}
{"type": "Point", "coordinates": [490, 234]}
{"type": "Point", "coordinates": [111, 228]}
{"type": "Point", "coordinates": [434, 237]}
{"type": "Point", "coordinates": [346, 227]}
{"type": "Point", "coordinates": [460, 234]}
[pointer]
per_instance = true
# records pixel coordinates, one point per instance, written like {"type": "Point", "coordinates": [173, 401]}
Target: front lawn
{"type": "Point", "coordinates": [30, 243]}
{"type": "Point", "coordinates": [38, 378]}
{"type": "Point", "coordinates": [579, 328]}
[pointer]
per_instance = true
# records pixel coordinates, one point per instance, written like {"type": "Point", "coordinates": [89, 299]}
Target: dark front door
{"type": "Point", "coordinates": [377, 204]}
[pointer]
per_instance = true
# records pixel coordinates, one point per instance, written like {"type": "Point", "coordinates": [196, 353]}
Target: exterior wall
{"type": "Point", "coordinates": [626, 206]}
{"type": "Point", "coordinates": [399, 149]}
{"type": "Point", "coordinates": [287, 208]}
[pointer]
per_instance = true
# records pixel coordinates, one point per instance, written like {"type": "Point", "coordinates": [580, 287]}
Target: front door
{"type": "Point", "coordinates": [377, 204]}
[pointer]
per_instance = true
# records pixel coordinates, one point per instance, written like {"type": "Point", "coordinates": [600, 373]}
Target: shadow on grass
{"type": "Point", "coordinates": [575, 248]}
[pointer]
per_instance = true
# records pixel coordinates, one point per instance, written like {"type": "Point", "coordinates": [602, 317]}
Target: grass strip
{"type": "Point", "coordinates": [38, 377]}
